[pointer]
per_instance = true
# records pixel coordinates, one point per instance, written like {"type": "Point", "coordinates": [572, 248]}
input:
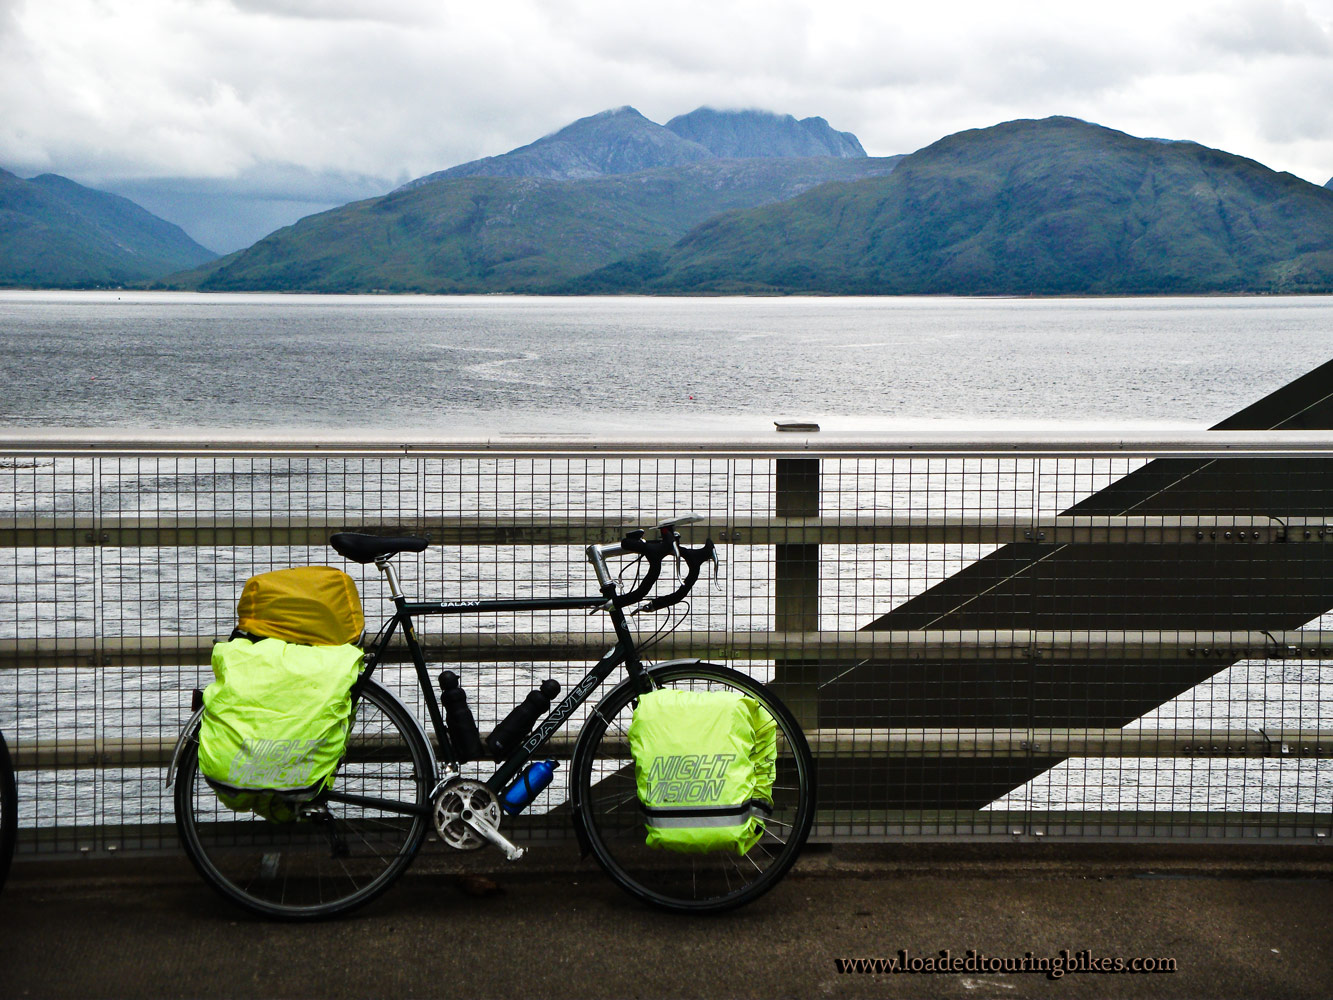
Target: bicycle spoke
{"type": "Point", "coordinates": [733, 865]}
{"type": "Point", "coordinates": [369, 846]}
{"type": "Point", "coordinates": [759, 847]}
{"type": "Point", "coordinates": [623, 802]}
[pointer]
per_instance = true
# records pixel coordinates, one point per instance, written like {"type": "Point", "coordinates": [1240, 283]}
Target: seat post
{"type": "Point", "coordinates": [387, 568]}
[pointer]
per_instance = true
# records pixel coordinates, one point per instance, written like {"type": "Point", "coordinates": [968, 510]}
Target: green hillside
{"type": "Point", "coordinates": [509, 234]}
{"type": "Point", "coordinates": [55, 233]}
{"type": "Point", "coordinates": [1057, 206]}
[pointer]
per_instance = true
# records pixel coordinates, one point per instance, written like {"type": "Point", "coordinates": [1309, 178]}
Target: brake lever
{"type": "Point", "coordinates": [717, 571]}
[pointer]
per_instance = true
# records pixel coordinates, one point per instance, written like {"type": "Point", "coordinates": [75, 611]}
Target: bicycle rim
{"type": "Point", "coordinates": [340, 855]}
{"type": "Point", "coordinates": [9, 818]}
{"type": "Point", "coordinates": [607, 805]}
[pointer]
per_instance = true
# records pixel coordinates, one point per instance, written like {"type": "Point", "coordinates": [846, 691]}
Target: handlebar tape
{"type": "Point", "coordinates": [694, 559]}
{"type": "Point", "coordinates": [654, 552]}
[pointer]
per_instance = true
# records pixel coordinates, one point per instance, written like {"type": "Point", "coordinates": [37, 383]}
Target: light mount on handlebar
{"type": "Point", "coordinates": [666, 526]}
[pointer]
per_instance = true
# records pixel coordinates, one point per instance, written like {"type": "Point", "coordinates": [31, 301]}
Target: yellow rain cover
{"type": "Point", "coordinates": [310, 605]}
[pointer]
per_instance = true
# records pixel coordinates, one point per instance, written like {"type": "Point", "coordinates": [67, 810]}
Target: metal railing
{"type": "Point", "coordinates": [1091, 636]}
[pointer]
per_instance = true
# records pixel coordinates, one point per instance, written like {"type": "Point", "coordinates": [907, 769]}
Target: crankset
{"type": "Point", "coordinates": [467, 816]}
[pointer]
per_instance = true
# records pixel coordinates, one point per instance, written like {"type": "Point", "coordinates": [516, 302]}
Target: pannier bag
{"type": "Point", "coordinates": [704, 763]}
{"type": "Point", "coordinates": [312, 605]}
{"type": "Point", "coordinates": [277, 715]}
{"type": "Point", "coordinates": [275, 722]}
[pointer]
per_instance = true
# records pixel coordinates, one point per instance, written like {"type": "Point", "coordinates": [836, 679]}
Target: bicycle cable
{"type": "Point", "coordinates": [675, 621]}
{"type": "Point", "coordinates": [374, 643]}
{"type": "Point", "coordinates": [633, 565]}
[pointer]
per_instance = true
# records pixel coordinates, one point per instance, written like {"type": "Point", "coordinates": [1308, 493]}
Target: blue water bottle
{"type": "Point", "coordinates": [527, 786]}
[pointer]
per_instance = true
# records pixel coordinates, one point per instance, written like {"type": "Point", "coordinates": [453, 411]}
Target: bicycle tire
{"type": "Point", "coordinates": [606, 812]}
{"type": "Point", "coordinates": [342, 856]}
{"type": "Point", "coordinates": [9, 812]}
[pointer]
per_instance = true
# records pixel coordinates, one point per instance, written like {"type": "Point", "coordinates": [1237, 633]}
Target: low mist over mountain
{"type": "Point", "coordinates": [55, 233]}
{"type": "Point", "coordinates": [1057, 206]}
{"type": "Point", "coordinates": [607, 187]}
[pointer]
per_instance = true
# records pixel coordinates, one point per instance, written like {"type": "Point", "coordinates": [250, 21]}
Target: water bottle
{"type": "Point", "coordinates": [458, 717]}
{"type": "Point", "coordinates": [527, 786]}
{"type": "Point", "coordinates": [519, 722]}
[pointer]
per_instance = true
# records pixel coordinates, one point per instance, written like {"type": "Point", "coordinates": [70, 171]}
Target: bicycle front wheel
{"type": "Point", "coordinates": [607, 808]}
{"type": "Point", "coordinates": [338, 854]}
{"type": "Point", "coordinates": [9, 812]}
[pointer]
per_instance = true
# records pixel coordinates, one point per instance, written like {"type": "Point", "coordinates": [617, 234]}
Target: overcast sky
{"type": "Point", "coordinates": [308, 102]}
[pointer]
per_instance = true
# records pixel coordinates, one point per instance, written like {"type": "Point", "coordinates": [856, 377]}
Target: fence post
{"type": "Point", "coordinates": [796, 587]}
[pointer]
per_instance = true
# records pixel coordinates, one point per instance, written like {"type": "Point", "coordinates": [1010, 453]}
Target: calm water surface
{"type": "Point", "coordinates": [131, 360]}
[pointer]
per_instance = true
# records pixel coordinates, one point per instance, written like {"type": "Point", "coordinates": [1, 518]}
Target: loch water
{"type": "Point", "coordinates": [488, 364]}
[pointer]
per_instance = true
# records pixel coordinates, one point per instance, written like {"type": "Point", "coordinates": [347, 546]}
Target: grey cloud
{"type": "Point", "coordinates": [1050, 69]}
{"type": "Point", "coordinates": [390, 11]}
{"type": "Point", "coordinates": [1266, 28]}
{"type": "Point", "coordinates": [1296, 105]}
{"type": "Point", "coordinates": [395, 89]}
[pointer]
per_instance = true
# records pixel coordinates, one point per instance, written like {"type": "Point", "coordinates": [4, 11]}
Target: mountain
{"type": "Point", "coordinates": [622, 141]}
{"type": "Point", "coordinates": [55, 233]}
{"type": "Point", "coordinates": [736, 134]}
{"type": "Point", "coordinates": [511, 234]}
{"type": "Point", "coordinates": [606, 187]}
{"type": "Point", "coordinates": [619, 141]}
{"type": "Point", "coordinates": [1057, 206]}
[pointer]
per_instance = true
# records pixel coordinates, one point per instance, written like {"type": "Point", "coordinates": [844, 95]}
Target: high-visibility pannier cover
{"type": "Point", "coordinates": [314, 605]}
{"type": "Point", "coordinates": [704, 763]}
{"type": "Point", "coordinates": [275, 722]}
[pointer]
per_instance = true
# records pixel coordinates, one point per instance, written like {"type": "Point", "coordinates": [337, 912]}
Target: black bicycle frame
{"type": "Point", "coordinates": [623, 652]}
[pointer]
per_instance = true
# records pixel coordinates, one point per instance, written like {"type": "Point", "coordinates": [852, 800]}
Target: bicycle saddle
{"type": "Point", "coordinates": [367, 548]}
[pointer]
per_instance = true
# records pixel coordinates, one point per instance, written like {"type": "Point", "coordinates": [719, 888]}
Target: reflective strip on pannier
{"type": "Point", "coordinates": [275, 722]}
{"type": "Point", "coordinates": [704, 763]}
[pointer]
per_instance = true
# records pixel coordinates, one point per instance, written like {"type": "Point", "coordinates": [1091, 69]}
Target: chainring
{"type": "Point", "coordinates": [461, 796]}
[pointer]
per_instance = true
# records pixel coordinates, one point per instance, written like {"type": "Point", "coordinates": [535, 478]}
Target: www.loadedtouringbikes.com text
{"type": "Point", "coordinates": [1064, 962]}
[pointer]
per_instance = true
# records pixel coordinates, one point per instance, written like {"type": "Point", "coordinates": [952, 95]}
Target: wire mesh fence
{"type": "Point", "coordinates": [984, 643]}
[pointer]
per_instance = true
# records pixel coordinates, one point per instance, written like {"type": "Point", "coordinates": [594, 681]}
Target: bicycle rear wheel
{"type": "Point", "coordinates": [9, 813]}
{"type": "Point", "coordinates": [607, 811]}
{"type": "Point", "coordinates": [339, 854]}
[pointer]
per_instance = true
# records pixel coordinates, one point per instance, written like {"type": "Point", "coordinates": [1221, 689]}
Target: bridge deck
{"type": "Point", "coordinates": [1236, 923]}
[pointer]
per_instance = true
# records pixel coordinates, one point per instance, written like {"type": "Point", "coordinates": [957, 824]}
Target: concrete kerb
{"type": "Point", "coordinates": [561, 860]}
